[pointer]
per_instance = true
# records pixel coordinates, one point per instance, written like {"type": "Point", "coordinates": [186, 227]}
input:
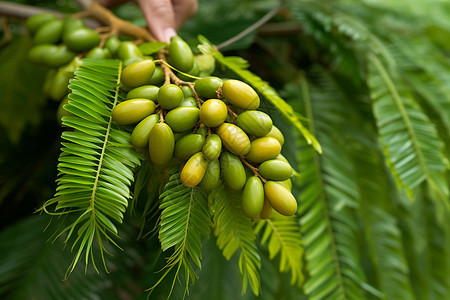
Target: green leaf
{"type": "Point", "coordinates": [149, 48]}
{"type": "Point", "coordinates": [234, 232]}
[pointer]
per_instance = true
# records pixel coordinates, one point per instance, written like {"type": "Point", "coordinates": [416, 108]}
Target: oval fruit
{"type": "Point", "coordinates": [128, 50]}
{"type": "Point", "coordinates": [263, 149]}
{"type": "Point", "coordinates": [71, 24]}
{"type": "Point", "coordinates": [33, 23]}
{"type": "Point", "coordinates": [59, 85]}
{"type": "Point", "coordinates": [81, 39]}
{"type": "Point", "coordinates": [206, 63]}
{"type": "Point", "coordinates": [57, 56]}
{"type": "Point", "coordinates": [146, 91]}
{"type": "Point", "coordinates": [286, 183]}
{"type": "Point", "coordinates": [203, 130]}
{"type": "Point", "coordinates": [49, 33]}
{"type": "Point", "coordinates": [132, 111]}
{"type": "Point", "coordinates": [194, 170]}
{"type": "Point", "coordinates": [211, 179]}
{"type": "Point", "coordinates": [194, 72]}
{"type": "Point", "coordinates": [182, 118]}
{"type": "Point", "coordinates": [207, 87]}
{"type": "Point", "coordinates": [180, 54]}
{"type": "Point", "coordinates": [98, 52]}
{"type": "Point", "coordinates": [189, 101]}
{"type": "Point", "coordinates": [141, 133]}
{"type": "Point", "coordinates": [254, 123]}
{"type": "Point", "coordinates": [188, 145]}
{"type": "Point", "coordinates": [138, 73]}
{"type": "Point", "coordinates": [161, 144]}
{"type": "Point", "coordinates": [213, 112]}
{"type": "Point", "coordinates": [112, 43]}
{"type": "Point", "coordinates": [233, 172]}
{"type": "Point", "coordinates": [240, 94]}
{"type": "Point", "coordinates": [266, 211]}
{"type": "Point", "coordinates": [234, 139]}
{"type": "Point", "coordinates": [252, 197]}
{"type": "Point", "coordinates": [157, 77]}
{"type": "Point", "coordinates": [276, 133]}
{"type": "Point", "coordinates": [280, 198]}
{"type": "Point", "coordinates": [275, 170]}
{"type": "Point", "coordinates": [212, 148]}
{"type": "Point", "coordinates": [37, 53]}
{"type": "Point", "coordinates": [187, 91]}
{"type": "Point", "coordinates": [170, 96]}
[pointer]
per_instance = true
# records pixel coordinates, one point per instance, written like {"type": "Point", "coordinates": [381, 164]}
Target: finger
{"type": "Point", "coordinates": [159, 15]}
{"type": "Point", "coordinates": [184, 10]}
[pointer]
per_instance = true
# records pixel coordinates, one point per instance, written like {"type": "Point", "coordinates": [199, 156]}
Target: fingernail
{"type": "Point", "coordinates": [168, 33]}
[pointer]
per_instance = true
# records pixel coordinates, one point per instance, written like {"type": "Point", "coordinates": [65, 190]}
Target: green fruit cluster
{"type": "Point", "coordinates": [210, 127]}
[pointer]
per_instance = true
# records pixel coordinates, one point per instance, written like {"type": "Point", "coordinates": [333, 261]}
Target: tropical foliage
{"type": "Point", "coordinates": [366, 118]}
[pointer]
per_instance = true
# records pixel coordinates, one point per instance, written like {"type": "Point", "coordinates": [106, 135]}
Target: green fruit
{"type": "Point", "coordinates": [61, 112]}
{"type": "Point", "coordinates": [286, 183]}
{"type": "Point", "coordinates": [132, 111]}
{"type": "Point", "coordinates": [275, 170]}
{"type": "Point", "coordinates": [179, 135]}
{"type": "Point", "coordinates": [112, 43]}
{"type": "Point", "coordinates": [128, 50]}
{"type": "Point", "coordinates": [141, 133]}
{"type": "Point", "coordinates": [49, 33]}
{"type": "Point", "coordinates": [240, 94]}
{"type": "Point", "coordinates": [213, 112]}
{"type": "Point", "coordinates": [233, 172]}
{"type": "Point", "coordinates": [57, 56]}
{"type": "Point", "coordinates": [145, 91]}
{"type": "Point", "coordinates": [70, 24]}
{"type": "Point", "coordinates": [203, 130]}
{"type": "Point", "coordinates": [212, 148]}
{"type": "Point", "coordinates": [131, 61]}
{"type": "Point", "coordinates": [206, 63]}
{"type": "Point", "coordinates": [194, 170]}
{"type": "Point", "coordinates": [282, 158]}
{"type": "Point", "coordinates": [182, 118]}
{"type": "Point", "coordinates": [276, 133]}
{"type": "Point", "coordinates": [59, 85]}
{"type": "Point", "coordinates": [138, 73]}
{"type": "Point", "coordinates": [188, 145]}
{"type": "Point", "coordinates": [207, 87]}
{"type": "Point", "coordinates": [189, 101]}
{"type": "Point", "coordinates": [266, 211]}
{"type": "Point", "coordinates": [37, 53]}
{"type": "Point", "coordinates": [252, 197]}
{"type": "Point", "coordinates": [33, 23]}
{"type": "Point", "coordinates": [194, 72]}
{"type": "Point", "coordinates": [211, 179]}
{"type": "Point", "coordinates": [187, 91]}
{"type": "Point", "coordinates": [234, 139]}
{"type": "Point", "coordinates": [263, 149]}
{"type": "Point", "coordinates": [180, 54]}
{"type": "Point", "coordinates": [254, 123]}
{"type": "Point", "coordinates": [98, 52]}
{"type": "Point", "coordinates": [280, 198]}
{"type": "Point", "coordinates": [161, 144]}
{"type": "Point", "coordinates": [81, 39]}
{"type": "Point", "coordinates": [157, 77]}
{"type": "Point", "coordinates": [169, 96]}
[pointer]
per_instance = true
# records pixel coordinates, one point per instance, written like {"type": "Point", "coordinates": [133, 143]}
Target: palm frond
{"type": "Point", "coordinates": [413, 149]}
{"type": "Point", "coordinates": [96, 163]}
{"type": "Point", "coordinates": [234, 232]}
{"type": "Point", "coordinates": [184, 220]}
{"type": "Point", "coordinates": [283, 237]}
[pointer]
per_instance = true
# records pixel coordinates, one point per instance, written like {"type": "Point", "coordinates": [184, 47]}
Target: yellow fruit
{"type": "Point", "coordinates": [194, 170]}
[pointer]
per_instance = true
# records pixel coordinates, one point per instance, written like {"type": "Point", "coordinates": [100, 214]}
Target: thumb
{"type": "Point", "coordinates": [160, 18]}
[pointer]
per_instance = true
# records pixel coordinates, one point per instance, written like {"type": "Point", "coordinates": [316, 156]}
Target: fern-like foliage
{"type": "Point", "coordinates": [234, 232]}
{"type": "Point", "coordinates": [283, 237]}
{"type": "Point", "coordinates": [96, 162]}
{"type": "Point", "coordinates": [184, 220]}
{"type": "Point", "coordinates": [412, 146]}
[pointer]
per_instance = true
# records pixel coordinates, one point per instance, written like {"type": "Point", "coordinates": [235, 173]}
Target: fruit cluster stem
{"type": "Point", "coordinates": [254, 169]}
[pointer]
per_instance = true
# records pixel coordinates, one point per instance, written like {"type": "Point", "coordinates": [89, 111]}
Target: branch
{"type": "Point", "coordinates": [23, 11]}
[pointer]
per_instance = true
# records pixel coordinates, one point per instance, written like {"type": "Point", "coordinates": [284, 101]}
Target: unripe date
{"type": "Point", "coordinates": [194, 170]}
{"type": "Point", "coordinates": [280, 198]}
{"type": "Point", "coordinates": [263, 149]}
{"type": "Point", "coordinates": [240, 94]}
{"type": "Point", "coordinates": [132, 111]}
{"type": "Point", "coordinates": [252, 197]}
{"type": "Point", "coordinates": [161, 144]}
{"type": "Point", "coordinates": [233, 172]}
{"type": "Point", "coordinates": [213, 112]}
{"type": "Point", "coordinates": [234, 139]}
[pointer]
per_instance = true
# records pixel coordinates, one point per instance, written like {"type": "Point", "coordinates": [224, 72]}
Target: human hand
{"type": "Point", "coordinates": [163, 17]}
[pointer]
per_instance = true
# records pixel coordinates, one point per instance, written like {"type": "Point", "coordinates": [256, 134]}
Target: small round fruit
{"type": "Point", "coordinates": [203, 130]}
{"type": "Point", "coordinates": [112, 43]}
{"type": "Point", "coordinates": [180, 54]}
{"type": "Point", "coordinates": [187, 91]}
{"type": "Point", "coordinates": [157, 77]}
{"type": "Point", "coordinates": [211, 179]}
{"type": "Point", "coordinates": [189, 101]}
{"type": "Point", "coordinates": [33, 23]}
{"type": "Point", "coordinates": [132, 111]}
{"type": "Point", "coordinates": [128, 50]}
{"type": "Point", "coordinates": [194, 170]}
{"type": "Point", "coordinates": [206, 63]}
{"type": "Point", "coordinates": [234, 139]}
{"type": "Point", "coordinates": [141, 133]}
{"type": "Point", "coordinates": [233, 172]}
{"type": "Point", "coordinates": [188, 145]}
{"type": "Point", "coordinates": [254, 123]}
{"type": "Point", "coordinates": [161, 144]}
{"type": "Point", "coordinates": [194, 72]}
{"type": "Point", "coordinates": [240, 94]}
{"type": "Point", "coordinates": [81, 39]}
{"type": "Point", "coordinates": [212, 147]}
{"type": "Point", "coordinates": [263, 149]}
{"type": "Point", "coordinates": [138, 73]}
{"type": "Point", "coordinates": [213, 112]}
{"type": "Point", "coordinates": [275, 170]}
{"type": "Point", "coordinates": [252, 197]}
{"type": "Point", "coordinates": [49, 33]}
{"type": "Point", "coordinates": [98, 52]}
{"type": "Point", "coordinates": [266, 211]}
{"type": "Point", "coordinates": [170, 96]}
{"type": "Point", "coordinates": [280, 198]}
{"type": "Point", "coordinates": [276, 133]}
{"type": "Point", "coordinates": [182, 118]}
{"type": "Point", "coordinates": [207, 87]}
{"type": "Point", "coordinates": [146, 91]}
